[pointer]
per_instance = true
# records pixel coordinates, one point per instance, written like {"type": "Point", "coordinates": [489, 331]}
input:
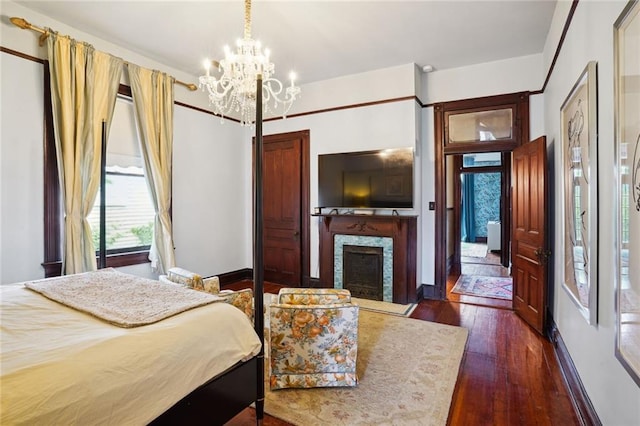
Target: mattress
{"type": "Point", "coordinates": [61, 366]}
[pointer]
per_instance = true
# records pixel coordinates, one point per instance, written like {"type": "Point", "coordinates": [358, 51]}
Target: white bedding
{"type": "Point", "coordinates": [61, 366]}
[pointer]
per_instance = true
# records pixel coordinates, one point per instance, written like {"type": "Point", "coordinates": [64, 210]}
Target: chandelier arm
{"type": "Point", "coordinates": [273, 82]}
{"type": "Point", "coordinates": [213, 85]}
{"type": "Point", "coordinates": [290, 94]}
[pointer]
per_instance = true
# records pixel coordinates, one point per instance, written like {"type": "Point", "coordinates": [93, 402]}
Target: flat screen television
{"type": "Point", "coordinates": [381, 179]}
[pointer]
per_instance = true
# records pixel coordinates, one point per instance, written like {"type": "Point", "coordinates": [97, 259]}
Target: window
{"type": "Point", "coordinates": [491, 124]}
{"type": "Point", "coordinates": [485, 159]}
{"type": "Point", "coordinates": [129, 209]}
{"type": "Point", "coordinates": [481, 126]}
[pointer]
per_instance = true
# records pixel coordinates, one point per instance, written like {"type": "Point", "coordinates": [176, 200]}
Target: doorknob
{"type": "Point", "coordinates": [542, 255]}
{"type": "Point", "coordinates": [295, 234]}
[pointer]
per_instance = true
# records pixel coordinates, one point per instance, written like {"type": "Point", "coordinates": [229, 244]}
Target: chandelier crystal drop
{"type": "Point", "coordinates": [234, 91]}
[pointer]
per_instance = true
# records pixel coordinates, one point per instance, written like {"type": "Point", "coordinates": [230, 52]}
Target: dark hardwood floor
{"type": "Point", "coordinates": [509, 373]}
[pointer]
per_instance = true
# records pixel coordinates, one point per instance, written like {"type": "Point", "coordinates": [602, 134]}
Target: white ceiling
{"type": "Point", "coordinates": [317, 39]}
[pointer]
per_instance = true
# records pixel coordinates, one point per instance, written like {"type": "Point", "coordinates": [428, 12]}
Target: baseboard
{"type": "Point", "coordinates": [247, 274]}
{"type": "Point", "coordinates": [235, 276]}
{"type": "Point", "coordinates": [579, 398]}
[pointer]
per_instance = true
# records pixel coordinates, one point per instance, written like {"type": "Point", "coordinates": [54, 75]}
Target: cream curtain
{"type": "Point", "coordinates": [84, 85]}
{"type": "Point", "coordinates": [152, 93]}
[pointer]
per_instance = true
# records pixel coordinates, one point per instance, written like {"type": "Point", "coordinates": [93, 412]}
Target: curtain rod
{"type": "Point", "coordinates": [25, 25]}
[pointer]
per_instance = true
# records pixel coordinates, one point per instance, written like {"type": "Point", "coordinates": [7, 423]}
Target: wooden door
{"type": "Point", "coordinates": [529, 242]}
{"type": "Point", "coordinates": [283, 195]}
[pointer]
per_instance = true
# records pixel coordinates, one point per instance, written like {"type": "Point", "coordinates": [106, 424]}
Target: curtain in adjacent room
{"type": "Point", "coordinates": [152, 93]}
{"type": "Point", "coordinates": [84, 85]}
{"type": "Point", "coordinates": [468, 219]}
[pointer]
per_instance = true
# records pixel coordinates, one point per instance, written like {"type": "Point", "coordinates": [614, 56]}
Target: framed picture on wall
{"type": "Point", "coordinates": [579, 137]}
{"type": "Point", "coordinates": [627, 206]}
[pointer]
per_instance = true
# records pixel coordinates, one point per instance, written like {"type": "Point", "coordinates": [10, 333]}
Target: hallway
{"type": "Point", "coordinates": [477, 261]}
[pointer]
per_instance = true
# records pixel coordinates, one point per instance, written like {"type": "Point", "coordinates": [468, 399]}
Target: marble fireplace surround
{"type": "Point", "coordinates": [399, 230]}
{"type": "Point", "coordinates": [386, 243]}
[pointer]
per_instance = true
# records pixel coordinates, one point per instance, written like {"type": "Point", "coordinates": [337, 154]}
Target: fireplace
{"type": "Point", "coordinates": [362, 271]}
{"type": "Point", "coordinates": [394, 233]}
{"type": "Point", "coordinates": [362, 249]}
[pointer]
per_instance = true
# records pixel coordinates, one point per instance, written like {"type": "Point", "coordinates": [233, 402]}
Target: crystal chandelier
{"type": "Point", "coordinates": [235, 89]}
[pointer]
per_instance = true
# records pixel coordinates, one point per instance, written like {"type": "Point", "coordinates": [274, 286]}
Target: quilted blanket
{"type": "Point", "coordinates": [121, 299]}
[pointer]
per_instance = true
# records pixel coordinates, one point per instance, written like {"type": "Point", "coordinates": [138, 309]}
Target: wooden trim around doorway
{"type": "Point", "coordinates": [521, 133]}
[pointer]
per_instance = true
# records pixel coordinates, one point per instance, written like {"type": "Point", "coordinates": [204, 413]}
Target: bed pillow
{"type": "Point", "coordinates": [186, 278]}
{"type": "Point", "coordinates": [212, 285]}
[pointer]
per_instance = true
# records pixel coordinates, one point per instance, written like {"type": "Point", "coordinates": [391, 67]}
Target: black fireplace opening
{"type": "Point", "coordinates": [362, 271]}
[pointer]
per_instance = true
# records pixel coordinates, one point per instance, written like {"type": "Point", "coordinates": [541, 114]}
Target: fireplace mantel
{"type": "Point", "coordinates": [402, 229]}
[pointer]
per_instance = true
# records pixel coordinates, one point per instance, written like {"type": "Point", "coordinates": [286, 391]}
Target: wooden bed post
{"type": "Point", "coordinates": [258, 255]}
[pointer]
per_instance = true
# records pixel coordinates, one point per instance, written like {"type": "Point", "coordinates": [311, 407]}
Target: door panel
{"type": "Point", "coordinates": [529, 232]}
{"type": "Point", "coordinates": [282, 210]}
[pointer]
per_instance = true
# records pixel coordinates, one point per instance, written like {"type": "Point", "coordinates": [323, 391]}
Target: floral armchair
{"type": "Point", "coordinates": [242, 299]}
{"type": "Point", "coordinates": [313, 339]}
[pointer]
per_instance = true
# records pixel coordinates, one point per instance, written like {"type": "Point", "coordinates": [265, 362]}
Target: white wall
{"type": "Point", "coordinates": [536, 116]}
{"type": "Point", "coordinates": [613, 393]}
{"type": "Point", "coordinates": [512, 75]}
{"type": "Point", "coordinates": [21, 175]}
{"type": "Point", "coordinates": [356, 89]}
{"type": "Point", "coordinates": [418, 196]}
{"type": "Point", "coordinates": [211, 177]}
{"type": "Point", "coordinates": [428, 190]}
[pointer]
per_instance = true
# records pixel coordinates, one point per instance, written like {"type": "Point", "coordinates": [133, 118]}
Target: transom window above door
{"type": "Point", "coordinates": [480, 126]}
{"type": "Point", "coordinates": [496, 123]}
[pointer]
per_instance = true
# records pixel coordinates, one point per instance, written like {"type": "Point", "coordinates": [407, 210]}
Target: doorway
{"type": "Point", "coordinates": [286, 208]}
{"type": "Point", "coordinates": [480, 262]}
{"type": "Point", "coordinates": [480, 125]}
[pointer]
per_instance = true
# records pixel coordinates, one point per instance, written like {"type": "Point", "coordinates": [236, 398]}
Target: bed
{"type": "Point", "coordinates": [60, 365]}
{"type": "Point", "coordinates": [190, 386]}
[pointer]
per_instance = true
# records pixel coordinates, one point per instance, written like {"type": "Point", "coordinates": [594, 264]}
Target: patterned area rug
{"type": "Point", "coordinates": [473, 249]}
{"type": "Point", "coordinates": [407, 371]}
{"type": "Point", "coordinates": [495, 287]}
{"type": "Point", "coordinates": [385, 307]}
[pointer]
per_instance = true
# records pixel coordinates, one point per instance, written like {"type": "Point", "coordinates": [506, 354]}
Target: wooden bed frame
{"type": "Point", "coordinates": [225, 395]}
{"type": "Point", "coordinates": [218, 400]}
